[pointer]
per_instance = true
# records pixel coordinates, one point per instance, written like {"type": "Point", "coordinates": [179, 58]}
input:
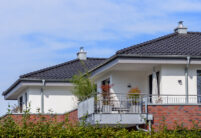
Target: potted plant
{"type": "Point", "coordinates": [106, 98]}
{"type": "Point", "coordinates": [134, 100]}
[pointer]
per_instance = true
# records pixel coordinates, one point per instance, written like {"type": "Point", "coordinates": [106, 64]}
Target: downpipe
{"type": "Point", "coordinates": [149, 121]}
{"type": "Point", "coordinates": [145, 130]}
{"type": "Point", "coordinates": [42, 96]}
{"type": "Point", "coordinates": [186, 77]}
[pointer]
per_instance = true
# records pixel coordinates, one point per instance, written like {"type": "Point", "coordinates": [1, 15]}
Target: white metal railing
{"type": "Point", "coordinates": [174, 99]}
{"type": "Point", "coordinates": [135, 103]}
{"type": "Point", "coordinates": [86, 107]}
{"type": "Point", "coordinates": [120, 103]}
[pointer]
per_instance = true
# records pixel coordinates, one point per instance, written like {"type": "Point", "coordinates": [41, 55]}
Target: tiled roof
{"type": "Point", "coordinates": [171, 44]}
{"type": "Point", "coordinates": [66, 70]}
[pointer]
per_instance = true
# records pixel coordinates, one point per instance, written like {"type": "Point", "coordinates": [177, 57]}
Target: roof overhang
{"type": "Point", "coordinates": [143, 59]}
{"type": "Point", "coordinates": [14, 90]}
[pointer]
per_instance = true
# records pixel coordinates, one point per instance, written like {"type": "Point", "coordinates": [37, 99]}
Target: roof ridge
{"type": "Point", "coordinates": [57, 65]}
{"type": "Point", "coordinates": [191, 32]}
{"type": "Point", "coordinates": [96, 58]}
{"type": "Point", "coordinates": [146, 42]}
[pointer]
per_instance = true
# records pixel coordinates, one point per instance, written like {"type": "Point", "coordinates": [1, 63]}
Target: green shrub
{"type": "Point", "coordinates": [83, 86]}
{"type": "Point", "coordinates": [51, 128]}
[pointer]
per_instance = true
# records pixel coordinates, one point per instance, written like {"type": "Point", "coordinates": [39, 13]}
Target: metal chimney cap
{"type": "Point", "coordinates": [180, 28]}
{"type": "Point", "coordinates": [81, 49]}
{"type": "Point", "coordinates": [82, 55]}
{"type": "Point", "coordinates": [180, 24]}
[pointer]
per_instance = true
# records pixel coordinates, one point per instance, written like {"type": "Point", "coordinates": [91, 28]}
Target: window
{"type": "Point", "coordinates": [26, 100]}
{"type": "Point", "coordinates": [21, 104]}
{"type": "Point", "coordinates": [199, 86]}
{"type": "Point", "coordinates": [158, 82]}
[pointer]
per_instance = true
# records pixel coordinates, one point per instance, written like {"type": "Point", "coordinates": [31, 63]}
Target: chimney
{"type": "Point", "coordinates": [180, 28]}
{"type": "Point", "coordinates": [82, 55]}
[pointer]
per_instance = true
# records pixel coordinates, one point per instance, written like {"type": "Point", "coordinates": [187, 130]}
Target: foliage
{"type": "Point", "coordinates": [15, 109]}
{"type": "Point", "coordinates": [51, 128]}
{"type": "Point", "coordinates": [84, 87]}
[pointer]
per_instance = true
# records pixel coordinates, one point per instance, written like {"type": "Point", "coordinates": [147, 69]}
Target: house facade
{"type": "Point", "coordinates": [148, 81]}
{"type": "Point", "coordinates": [138, 85]}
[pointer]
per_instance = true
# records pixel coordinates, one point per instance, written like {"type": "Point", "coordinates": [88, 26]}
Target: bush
{"type": "Point", "coordinates": [51, 128]}
{"type": "Point", "coordinates": [83, 86]}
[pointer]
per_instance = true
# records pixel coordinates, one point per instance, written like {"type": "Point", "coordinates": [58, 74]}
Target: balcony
{"type": "Point", "coordinates": [127, 110]}
{"type": "Point", "coordinates": [114, 109]}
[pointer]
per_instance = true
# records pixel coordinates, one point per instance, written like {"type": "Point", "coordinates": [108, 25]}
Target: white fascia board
{"type": "Point", "coordinates": [153, 61]}
{"type": "Point", "coordinates": [104, 67]}
{"type": "Point", "coordinates": [22, 85]}
{"type": "Point", "coordinates": [195, 61]}
{"type": "Point", "coordinates": [13, 91]}
{"type": "Point", "coordinates": [46, 84]}
{"type": "Point", "coordinates": [141, 61]}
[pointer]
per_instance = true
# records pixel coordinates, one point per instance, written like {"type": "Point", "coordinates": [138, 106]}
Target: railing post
{"type": "Point", "coordinates": [146, 101]}
{"type": "Point", "coordinates": [167, 99]}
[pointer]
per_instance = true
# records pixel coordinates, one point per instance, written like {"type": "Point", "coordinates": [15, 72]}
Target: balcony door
{"type": "Point", "coordinates": [106, 89]}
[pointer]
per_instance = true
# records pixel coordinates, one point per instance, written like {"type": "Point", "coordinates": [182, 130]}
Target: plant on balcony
{"type": "Point", "coordinates": [159, 100]}
{"type": "Point", "coordinates": [134, 95]}
{"type": "Point", "coordinates": [15, 109]}
{"type": "Point", "coordinates": [83, 87]}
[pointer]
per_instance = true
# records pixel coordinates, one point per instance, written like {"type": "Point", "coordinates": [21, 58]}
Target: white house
{"type": "Point", "coordinates": [164, 71]}
{"type": "Point", "coordinates": [49, 90]}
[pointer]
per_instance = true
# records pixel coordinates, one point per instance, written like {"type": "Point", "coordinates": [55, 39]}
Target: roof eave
{"type": "Point", "coordinates": [157, 56]}
{"type": "Point", "coordinates": [31, 80]}
{"type": "Point", "coordinates": [144, 56]}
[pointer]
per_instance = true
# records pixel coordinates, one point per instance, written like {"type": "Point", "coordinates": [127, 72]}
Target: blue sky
{"type": "Point", "coordinates": [40, 33]}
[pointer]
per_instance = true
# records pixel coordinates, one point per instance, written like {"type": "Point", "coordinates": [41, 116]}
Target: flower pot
{"type": "Point", "coordinates": [135, 109]}
{"type": "Point", "coordinates": [107, 108]}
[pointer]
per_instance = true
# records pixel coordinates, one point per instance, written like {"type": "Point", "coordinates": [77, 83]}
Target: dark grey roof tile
{"type": "Point", "coordinates": [66, 70]}
{"type": "Point", "coordinates": [171, 44]}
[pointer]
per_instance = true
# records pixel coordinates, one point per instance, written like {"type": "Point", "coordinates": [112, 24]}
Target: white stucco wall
{"type": "Point", "coordinates": [171, 74]}
{"type": "Point", "coordinates": [121, 79]}
{"type": "Point", "coordinates": [59, 100]}
{"type": "Point", "coordinates": [56, 99]}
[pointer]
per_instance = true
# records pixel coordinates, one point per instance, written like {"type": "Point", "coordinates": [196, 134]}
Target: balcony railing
{"type": "Point", "coordinates": [135, 103]}
{"type": "Point", "coordinates": [120, 103]}
{"type": "Point", "coordinates": [174, 99]}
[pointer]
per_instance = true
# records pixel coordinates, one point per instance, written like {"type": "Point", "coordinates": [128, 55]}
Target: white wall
{"type": "Point", "coordinates": [56, 99]}
{"type": "Point", "coordinates": [170, 74]}
{"type": "Point", "coordinates": [59, 100]}
{"type": "Point", "coordinates": [121, 79]}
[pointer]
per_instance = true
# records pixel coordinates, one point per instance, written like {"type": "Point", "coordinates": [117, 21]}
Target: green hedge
{"type": "Point", "coordinates": [51, 128]}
